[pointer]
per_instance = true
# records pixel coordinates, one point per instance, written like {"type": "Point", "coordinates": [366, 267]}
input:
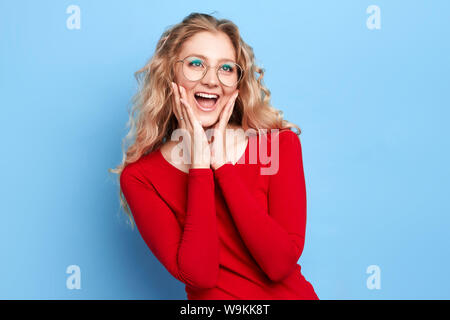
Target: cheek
{"type": "Point", "coordinates": [180, 81]}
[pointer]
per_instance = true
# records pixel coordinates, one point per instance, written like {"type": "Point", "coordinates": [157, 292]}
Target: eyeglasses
{"type": "Point", "coordinates": [194, 68]}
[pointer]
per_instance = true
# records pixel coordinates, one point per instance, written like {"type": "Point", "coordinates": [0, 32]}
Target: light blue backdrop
{"type": "Point", "coordinates": [373, 105]}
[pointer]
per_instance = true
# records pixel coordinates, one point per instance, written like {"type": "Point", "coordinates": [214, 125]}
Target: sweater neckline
{"type": "Point", "coordinates": [168, 164]}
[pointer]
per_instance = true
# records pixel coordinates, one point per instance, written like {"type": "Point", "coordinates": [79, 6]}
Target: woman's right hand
{"type": "Point", "coordinates": [200, 155]}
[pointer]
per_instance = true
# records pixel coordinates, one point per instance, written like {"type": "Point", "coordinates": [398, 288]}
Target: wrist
{"type": "Point", "coordinates": [200, 166]}
{"type": "Point", "coordinates": [218, 165]}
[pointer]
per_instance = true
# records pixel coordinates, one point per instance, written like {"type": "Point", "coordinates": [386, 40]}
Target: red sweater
{"type": "Point", "coordinates": [230, 233]}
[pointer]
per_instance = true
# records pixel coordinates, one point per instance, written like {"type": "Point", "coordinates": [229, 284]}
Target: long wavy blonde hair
{"type": "Point", "coordinates": [152, 120]}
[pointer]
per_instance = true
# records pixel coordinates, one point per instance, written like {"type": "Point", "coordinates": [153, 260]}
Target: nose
{"type": "Point", "coordinates": [210, 77]}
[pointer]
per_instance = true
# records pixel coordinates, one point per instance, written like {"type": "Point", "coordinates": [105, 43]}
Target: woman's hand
{"type": "Point", "coordinates": [199, 152]}
{"type": "Point", "coordinates": [218, 145]}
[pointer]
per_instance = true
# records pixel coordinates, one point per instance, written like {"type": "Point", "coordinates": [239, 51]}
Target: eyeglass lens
{"type": "Point", "coordinates": [228, 72]}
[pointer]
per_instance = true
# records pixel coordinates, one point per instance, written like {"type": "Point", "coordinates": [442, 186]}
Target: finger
{"type": "Point", "coordinates": [186, 114]}
{"type": "Point", "coordinates": [221, 121]}
{"type": "Point", "coordinates": [183, 102]}
{"type": "Point", "coordinates": [186, 119]}
{"type": "Point", "coordinates": [188, 109]}
{"type": "Point", "coordinates": [177, 107]}
{"type": "Point", "coordinates": [192, 117]}
{"type": "Point", "coordinates": [198, 134]}
{"type": "Point", "coordinates": [186, 126]}
{"type": "Point", "coordinates": [182, 109]}
{"type": "Point", "coordinates": [176, 100]}
{"type": "Point", "coordinates": [227, 111]}
{"type": "Point", "coordinates": [231, 106]}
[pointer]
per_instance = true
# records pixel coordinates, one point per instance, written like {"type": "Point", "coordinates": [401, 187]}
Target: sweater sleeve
{"type": "Point", "coordinates": [276, 239]}
{"type": "Point", "coordinates": [190, 254]}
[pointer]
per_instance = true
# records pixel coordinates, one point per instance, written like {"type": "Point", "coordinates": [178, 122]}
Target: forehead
{"type": "Point", "coordinates": [213, 47]}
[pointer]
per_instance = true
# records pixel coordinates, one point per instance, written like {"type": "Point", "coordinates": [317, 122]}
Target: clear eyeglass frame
{"type": "Point", "coordinates": [207, 67]}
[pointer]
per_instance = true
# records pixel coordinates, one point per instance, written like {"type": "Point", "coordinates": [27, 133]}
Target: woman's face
{"type": "Point", "coordinates": [216, 48]}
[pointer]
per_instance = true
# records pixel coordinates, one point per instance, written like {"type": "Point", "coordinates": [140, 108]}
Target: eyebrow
{"type": "Point", "coordinates": [202, 56]}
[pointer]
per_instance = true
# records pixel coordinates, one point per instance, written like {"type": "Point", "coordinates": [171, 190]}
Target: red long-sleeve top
{"type": "Point", "coordinates": [232, 233]}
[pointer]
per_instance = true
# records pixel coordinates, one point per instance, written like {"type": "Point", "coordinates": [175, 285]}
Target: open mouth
{"type": "Point", "coordinates": [206, 102]}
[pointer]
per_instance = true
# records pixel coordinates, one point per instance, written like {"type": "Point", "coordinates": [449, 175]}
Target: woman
{"type": "Point", "coordinates": [216, 220]}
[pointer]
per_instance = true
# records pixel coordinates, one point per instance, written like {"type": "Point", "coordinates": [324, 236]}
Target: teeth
{"type": "Point", "coordinates": [204, 95]}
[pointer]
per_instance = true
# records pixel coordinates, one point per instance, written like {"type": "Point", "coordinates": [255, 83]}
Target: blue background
{"type": "Point", "coordinates": [373, 106]}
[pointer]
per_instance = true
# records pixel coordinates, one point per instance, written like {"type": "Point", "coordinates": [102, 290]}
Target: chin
{"type": "Point", "coordinates": [208, 122]}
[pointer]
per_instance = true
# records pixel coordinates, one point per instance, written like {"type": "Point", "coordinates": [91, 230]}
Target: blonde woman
{"type": "Point", "coordinates": [214, 211]}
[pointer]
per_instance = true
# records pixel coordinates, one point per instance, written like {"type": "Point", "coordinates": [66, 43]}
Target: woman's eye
{"type": "Point", "coordinates": [196, 63]}
{"type": "Point", "coordinates": [227, 67]}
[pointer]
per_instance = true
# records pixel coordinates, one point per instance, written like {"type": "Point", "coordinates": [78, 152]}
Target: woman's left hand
{"type": "Point", "coordinates": [218, 145]}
